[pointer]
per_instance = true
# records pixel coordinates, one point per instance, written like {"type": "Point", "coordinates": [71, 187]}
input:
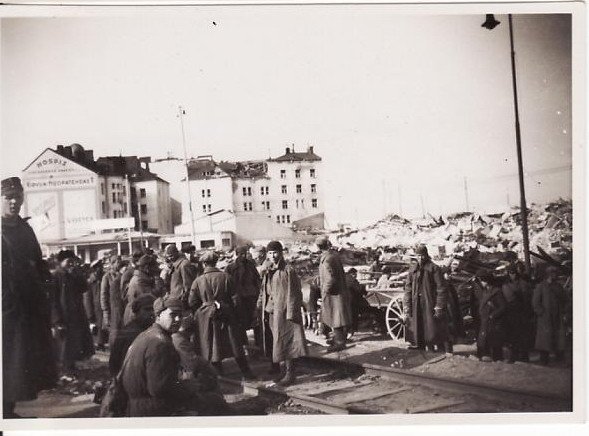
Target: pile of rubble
{"type": "Point", "coordinates": [550, 230]}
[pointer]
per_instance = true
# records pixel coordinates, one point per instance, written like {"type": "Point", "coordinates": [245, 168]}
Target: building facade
{"type": "Point", "coordinates": [67, 192]}
{"type": "Point", "coordinates": [285, 189]}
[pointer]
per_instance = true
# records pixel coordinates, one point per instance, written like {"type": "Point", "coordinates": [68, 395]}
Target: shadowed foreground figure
{"type": "Point", "coordinates": [28, 364]}
{"type": "Point", "coordinates": [151, 367]}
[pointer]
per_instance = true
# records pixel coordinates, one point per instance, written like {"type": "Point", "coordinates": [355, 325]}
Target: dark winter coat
{"type": "Point", "coordinates": [28, 362]}
{"type": "Point", "coordinates": [336, 301]}
{"type": "Point", "coordinates": [281, 297]}
{"type": "Point", "coordinates": [121, 343]}
{"type": "Point", "coordinates": [150, 376]}
{"type": "Point", "coordinates": [182, 274]}
{"type": "Point", "coordinates": [92, 305]}
{"type": "Point", "coordinates": [492, 308]}
{"type": "Point", "coordinates": [68, 311]}
{"type": "Point", "coordinates": [549, 303]}
{"type": "Point", "coordinates": [112, 303]}
{"type": "Point", "coordinates": [425, 289]}
{"type": "Point", "coordinates": [125, 279]}
{"type": "Point", "coordinates": [519, 316]}
{"type": "Point", "coordinates": [247, 283]}
{"type": "Point", "coordinates": [454, 311]}
{"type": "Point", "coordinates": [141, 283]}
{"type": "Point", "coordinates": [218, 329]}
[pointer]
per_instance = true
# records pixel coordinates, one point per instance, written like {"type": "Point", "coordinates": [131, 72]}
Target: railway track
{"type": "Point", "coordinates": [336, 387]}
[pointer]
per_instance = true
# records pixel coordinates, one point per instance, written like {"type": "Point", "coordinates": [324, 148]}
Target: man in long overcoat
{"type": "Point", "coordinates": [282, 299]}
{"type": "Point", "coordinates": [111, 300]}
{"type": "Point", "coordinates": [182, 273]}
{"type": "Point", "coordinates": [212, 299]}
{"type": "Point", "coordinates": [128, 273]}
{"type": "Point", "coordinates": [492, 308]}
{"type": "Point", "coordinates": [424, 302]}
{"type": "Point", "coordinates": [519, 317]}
{"type": "Point", "coordinates": [336, 301]}
{"type": "Point", "coordinates": [28, 363]}
{"type": "Point", "coordinates": [92, 304]}
{"type": "Point", "coordinates": [68, 315]}
{"type": "Point", "coordinates": [247, 282]}
{"type": "Point", "coordinates": [142, 282]}
{"type": "Point", "coordinates": [549, 303]}
{"type": "Point", "coordinates": [151, 367]}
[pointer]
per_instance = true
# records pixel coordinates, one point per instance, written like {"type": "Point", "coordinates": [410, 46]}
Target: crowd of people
{"type": "Point", "coordinates": [169, 322]}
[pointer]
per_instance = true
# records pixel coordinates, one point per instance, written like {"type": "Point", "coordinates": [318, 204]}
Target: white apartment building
{"type": "Point", "coordinates": [284, 189]}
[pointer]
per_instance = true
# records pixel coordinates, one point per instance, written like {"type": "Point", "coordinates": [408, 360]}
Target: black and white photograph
{"type": "Point", "coordinates": [291, 211]}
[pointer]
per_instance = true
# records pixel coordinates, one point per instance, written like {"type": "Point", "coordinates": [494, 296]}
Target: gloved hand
{"type": "Point", "coordinates": [405, 318]}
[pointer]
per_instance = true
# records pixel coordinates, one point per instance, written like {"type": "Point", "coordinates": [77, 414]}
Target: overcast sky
{"type": "Point", "coordinates": [389, 101]}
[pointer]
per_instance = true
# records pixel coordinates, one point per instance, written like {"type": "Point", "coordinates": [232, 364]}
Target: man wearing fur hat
{"type": "Point", "coordinates": [212, 299]}
{"type": "Point", "coordinates": [69, 319]}
{"type": "Point", "coordinates": [424, 302]}
{"type": "Point", "coordinates": [28, 363]}
{"type": "Point", "coordinates": [246, 281]}
{"type": "Point", "coordinates": [282, 299]}
{"type": "Point", "coordinates": [182, 273]}
{"type": "Point", "coordinates": [336, 302]}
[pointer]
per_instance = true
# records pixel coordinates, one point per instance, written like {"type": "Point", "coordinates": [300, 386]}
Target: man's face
{"type": "Point", "coordinates": [421, 259]}
{"type": "Point", "coordinates": [145, 315]}
{"type": "Point", "coordinates": [170, 320]}
{"type": "Point", "coordinates": [68, 264]}
{"type": "Point", "coordinates": [11, 204]}
{"type": "Point", "coordinates": [454, 265]}
{"type": "Point", "coordinates": [275, 256]}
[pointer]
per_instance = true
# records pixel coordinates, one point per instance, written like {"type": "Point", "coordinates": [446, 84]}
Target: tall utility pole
{"type": "Point", "coordinates": [181, 113]}
{"type": "Point", "coordinates": [466, 194]}
{"type": "Point", "coordinates": [422, 206]}
{"type": "Point", "coordinates": [490, 23]}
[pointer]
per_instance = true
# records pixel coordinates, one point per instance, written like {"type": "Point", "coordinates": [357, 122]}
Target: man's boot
{"type": "Point", "coordinates": [245, 368]}
{"type": "Point", "coordinates": [289, 375]}
{"type": "Point", "coordinates": [281, 372]}
{"type": "Point", "coordinates": [339, 340]}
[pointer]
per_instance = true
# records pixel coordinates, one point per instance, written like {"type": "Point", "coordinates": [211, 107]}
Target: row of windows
{"type": "Point", "coordinates": [207, 192]}
{"type": "Point", "coordinates": [312, 173]}
{"type": "Point", "coordinates": [284, 219]}
{"type": "Point", "coordinates": [206, 208]}
{"type": "Point", "coordinates": [299, 189]}
{"type": "Point", "coordinates": [247, 206]}
{"type": "Point", "coordinates": [301, 203]}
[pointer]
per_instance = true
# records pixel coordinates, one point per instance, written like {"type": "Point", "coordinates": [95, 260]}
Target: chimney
{"type": "Point", "coordinates": [310, 149]}
{"type": "Point", "coordinates": [287, 150]}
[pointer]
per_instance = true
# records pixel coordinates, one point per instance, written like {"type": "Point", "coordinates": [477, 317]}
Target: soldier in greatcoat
{"type": "Point", "coordinates": [424, 302]}
{"type": "Point", "coordinates": [92, 304]}
{"type": "Point", "coordinates": [111, 300]}
{"type": "Point", "coordinates": [142, 282]}
{"type": "Point", "coordinates": [492, 308]}
{"type": "Point", "coordinates": [28, 363]}
{"type": "Point", "coordinates": [151, 367]}
{"type": "Point", "coordinates": [181, 275]}
{"type": "Point", "coordinates": [282, 299]}
{"type": "Point", "coordinates": [68, 316]}
{"type": "Point", "coordinates": [519, 317]}
{"type": "Point", "coordinates": [336, 301]}
{"type": "Point", "coordinates": [247, 282]}
{"type": "Point", "coordinates": [212, 299]}
{"type": "Point", "coordinates": [549, 303]}
{"type": "Point", "coordinates": [128, 273]}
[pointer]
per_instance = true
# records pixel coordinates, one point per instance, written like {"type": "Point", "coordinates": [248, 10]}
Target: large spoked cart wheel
{"type": "Point", "coordinates": [394, 319]}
